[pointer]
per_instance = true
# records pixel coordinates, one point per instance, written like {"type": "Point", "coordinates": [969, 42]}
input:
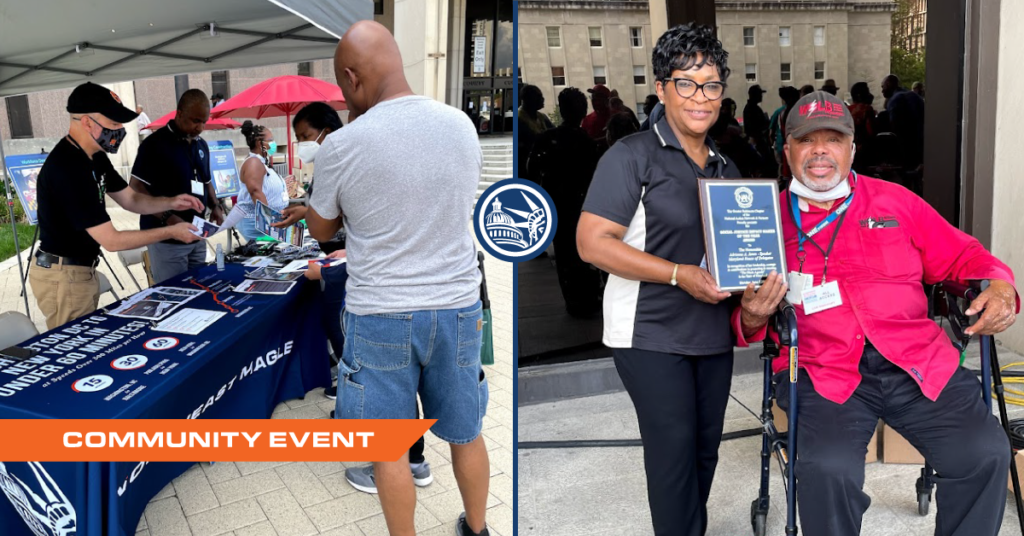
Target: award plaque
{"type": "Point", "coordinates": [742, 231]}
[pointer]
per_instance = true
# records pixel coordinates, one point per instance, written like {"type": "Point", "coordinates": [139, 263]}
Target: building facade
{"type": "Point", "coordinates": [909, 24]}
{"type": "Point", "coordinates": [456, 51]}
{"type": "Point", "coordinates": [770, 43]}
{"type": "Point", "coordinates": [582, 43]}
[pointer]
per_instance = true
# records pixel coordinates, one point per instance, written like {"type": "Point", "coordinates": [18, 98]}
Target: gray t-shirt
{"type": "Point", "coordinates": [403, 176]}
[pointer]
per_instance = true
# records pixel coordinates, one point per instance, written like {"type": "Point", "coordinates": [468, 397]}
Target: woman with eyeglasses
{"type": "Point", "coordinates": [670, 329]}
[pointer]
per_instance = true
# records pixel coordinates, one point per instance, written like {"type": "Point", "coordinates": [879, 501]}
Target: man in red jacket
{"type": "Point", "coordinates": [859, 249]}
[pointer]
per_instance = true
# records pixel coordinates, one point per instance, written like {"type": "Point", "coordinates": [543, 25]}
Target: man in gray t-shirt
{"type": "Point", "coordinates": [401, 178]}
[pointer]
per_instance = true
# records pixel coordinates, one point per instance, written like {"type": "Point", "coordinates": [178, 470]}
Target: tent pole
{"type": "Point", "coordinates": [14, 226]}
{"type": "Point", "coordinates": [288, 130]}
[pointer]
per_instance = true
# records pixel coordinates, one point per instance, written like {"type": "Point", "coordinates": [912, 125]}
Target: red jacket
{"type": "Point", "coordinates": [890, 241]}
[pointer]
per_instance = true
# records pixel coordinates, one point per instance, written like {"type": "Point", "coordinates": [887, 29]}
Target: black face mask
{"type": "Point", "coordinates": [110, 140]}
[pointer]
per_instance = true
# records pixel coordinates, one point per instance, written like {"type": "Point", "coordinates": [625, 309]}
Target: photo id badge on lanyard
{"type": "Point", "coordinates": [197, 188]}
{"type": "Point", "coordinates": [801, 285]}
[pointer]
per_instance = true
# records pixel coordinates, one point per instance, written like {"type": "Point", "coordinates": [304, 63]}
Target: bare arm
{"type": "Point", "coordinates": [321, 228]}
{"type": "Point", "coordinates": [113, 240]}
{"type": "Point", "coordinates": [599, 241]}
{"type": "Point", "coordinates": [252, 178]}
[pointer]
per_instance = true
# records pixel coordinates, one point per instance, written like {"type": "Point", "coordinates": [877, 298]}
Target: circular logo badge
{"type": "Point", "coordinates": [129, 362]}
{"type": "Point", "coordinates": [92, 384]}
{"type": "Point", "coordinates": [161, 343]}
{"type": "Point", "coordinates": [744, 197]}
{"type": "Point", "coordinates": [515, 220]}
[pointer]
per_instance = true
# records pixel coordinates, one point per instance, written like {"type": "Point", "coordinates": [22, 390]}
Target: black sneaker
{"type": "Point", "coordinates": [462, 528]}
{"type": "Point", "coordinates": [331, 392]}
{"type": "Point", "coordinates": [332, 413]}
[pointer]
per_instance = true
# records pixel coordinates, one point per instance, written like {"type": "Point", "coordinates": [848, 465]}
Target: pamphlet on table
{"type": "Point", "coordinates": [190, 321]}
{"type": "Point", "coordinates": [250, 286]}
{"type": "Point", "coordinates": [155, 303]}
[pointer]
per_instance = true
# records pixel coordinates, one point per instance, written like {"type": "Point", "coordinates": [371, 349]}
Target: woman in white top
{"type": "Point", "coordinates": [261, 183]}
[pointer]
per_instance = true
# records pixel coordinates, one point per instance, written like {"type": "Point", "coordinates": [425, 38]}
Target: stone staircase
{"type": "Point", "coordinates": [497, 162]}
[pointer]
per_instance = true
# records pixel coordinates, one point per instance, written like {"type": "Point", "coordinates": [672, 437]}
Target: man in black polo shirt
{"type": "Point", "coordinates": [73, 220]}
{"type": "Point", "coordinates": [174, 160]}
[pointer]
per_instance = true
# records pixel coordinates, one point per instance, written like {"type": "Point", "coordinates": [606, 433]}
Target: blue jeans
{"type": "Point", "coordinates": [247, 227]}
{"type": "Point", "coordinates": [389, 358]}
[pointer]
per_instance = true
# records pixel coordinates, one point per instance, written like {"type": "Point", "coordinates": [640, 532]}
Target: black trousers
{"type": "Point", "coordinates": [680, 405]}
{"type": "Point", "coordinates": [956, 434]}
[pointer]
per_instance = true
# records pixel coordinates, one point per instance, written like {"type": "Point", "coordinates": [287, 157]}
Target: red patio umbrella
{"type": "Point", "coordinates": [281, 96]}
{"type": "Point", "coordinates": [213, 124]}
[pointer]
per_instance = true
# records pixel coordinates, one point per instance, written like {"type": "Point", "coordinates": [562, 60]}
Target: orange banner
{"type": "Point", "coordinates": [190, 440]}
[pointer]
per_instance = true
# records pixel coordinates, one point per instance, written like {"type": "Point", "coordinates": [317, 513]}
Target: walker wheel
{"type": "Point", "coordinates": [924, 500]}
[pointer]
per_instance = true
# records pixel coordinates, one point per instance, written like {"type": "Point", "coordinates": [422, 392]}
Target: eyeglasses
{"type": "Point", "coordinates": [687, 88]}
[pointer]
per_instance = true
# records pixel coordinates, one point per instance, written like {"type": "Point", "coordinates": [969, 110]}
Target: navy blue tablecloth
{"type": "Point", "coordinates": [274, 348]}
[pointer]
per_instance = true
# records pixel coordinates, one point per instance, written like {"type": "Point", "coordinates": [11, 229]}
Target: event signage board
{"type": "Point", "coordinates": [24, 172]}
{"type": "Point", "coordinates": [223, 169]}
{"type": "Point", "coordinates": [742, 231]}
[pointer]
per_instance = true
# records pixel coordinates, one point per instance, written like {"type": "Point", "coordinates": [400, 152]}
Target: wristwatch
{"type": "Point", "coordinates": [675, 269]}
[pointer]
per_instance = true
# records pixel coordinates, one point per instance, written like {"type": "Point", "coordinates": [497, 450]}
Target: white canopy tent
{"type": "Point", "coordinates": [47, 44]}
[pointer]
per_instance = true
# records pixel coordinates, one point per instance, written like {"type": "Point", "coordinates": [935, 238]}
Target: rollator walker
{"type": "Point", "coordinates": [944, 302]}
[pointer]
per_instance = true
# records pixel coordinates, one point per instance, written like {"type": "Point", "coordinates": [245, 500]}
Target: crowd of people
{"type": "Point", "coordinates": [430, 306]}
{"type": "Point", "coordinates": [629, 207]}
{"type": "Point", "coordinates": [889, 145]}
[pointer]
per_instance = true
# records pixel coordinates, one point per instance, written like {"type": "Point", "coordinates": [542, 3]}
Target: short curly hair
{"type": "Point", "coordinates": [677, 49]}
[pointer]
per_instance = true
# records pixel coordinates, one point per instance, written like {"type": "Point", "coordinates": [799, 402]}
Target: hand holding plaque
{"type": "Point", "coordinates": [742, 231]}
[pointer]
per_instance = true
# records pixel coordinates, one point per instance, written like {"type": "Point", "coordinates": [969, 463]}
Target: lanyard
{"type": "Point", "coordinates": [840, 213]}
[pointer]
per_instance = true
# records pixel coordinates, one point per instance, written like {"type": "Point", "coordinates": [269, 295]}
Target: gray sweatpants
{"type": "Point", "coordinates": [169, 260]}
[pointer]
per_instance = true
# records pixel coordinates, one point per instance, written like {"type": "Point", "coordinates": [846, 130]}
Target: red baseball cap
{"type": "Point", "coordinates": [600, 89]}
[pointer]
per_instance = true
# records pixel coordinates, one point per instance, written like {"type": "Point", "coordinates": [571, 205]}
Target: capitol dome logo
{"type": "Point", "coordinates": [515, 220]}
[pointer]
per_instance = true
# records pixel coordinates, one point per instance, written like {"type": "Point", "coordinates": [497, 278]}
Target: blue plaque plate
{"type": "Point", "coordinates": [742, 231]}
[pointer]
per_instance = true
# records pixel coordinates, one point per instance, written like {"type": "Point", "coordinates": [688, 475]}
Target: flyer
{"type": "Point", "coordinates": [258, 262]}
{"type": "Point", "coordinates": [303, 265]}
{"type": "Point", "coordinates": [189, 321]}
{"type": "Point", "coordinates": [266, 216]}
{"type": "Point", "coordinates": [155, 303]}
{"type": "Point", "coordinates": [272, 274]}
{"type": "Point", "coordinates": [250, 286]}
{"type": "Point", "coordinates": [205, 228]}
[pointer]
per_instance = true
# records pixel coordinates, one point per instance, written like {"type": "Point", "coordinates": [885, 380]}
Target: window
{"type": "Point", "coordinates": [554, 36]}
{"type": "Point", "coordinates": [305, 68]}
{"type": "Point", "coordinates": [378, 7]}
{"type": "Point", "coordinates": [599, 76]}
{"type": "Point", "coordinates": [751, 72]}
{"type": "Point", "coordinates": [558, 76]}
{"type": "Point", "coordinates": [220, 84]}
{"type": "Point", "coordinates": [748, 36]}
{"type": "Point", "coordinates": [639, 75]}
{"type": "Point", "coordinates": [18, 114]}
{"type": "Point", "coordinates": [785, 74]}
{"type": "Point", "coordinates": [784, 36]}
{"type": "Point", "coordinates": [636, 37]}
{"type": "Point", "coordinates": [180, 86]}
{"type": "Point", "coordinates": [595, 36]}
{"type": "Point", "coordinates": [819, 70]}
{"type": "Point", "coordinates": [819, 36]}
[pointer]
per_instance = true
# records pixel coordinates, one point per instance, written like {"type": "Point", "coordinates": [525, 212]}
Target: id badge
{"type": "Point", "coordinates": [197, 188]}
{"type": "Point", "coordinates": [797, 283]}
{"type": "Point", "coordinates": [821, 297]}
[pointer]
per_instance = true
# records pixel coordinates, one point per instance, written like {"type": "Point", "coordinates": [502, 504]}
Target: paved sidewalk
{"type": "Point", "coordinates": [602, 491]}
{"type": "Point", "coordinates": [303, 499]}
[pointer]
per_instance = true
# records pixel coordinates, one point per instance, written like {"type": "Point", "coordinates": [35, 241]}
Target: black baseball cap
{"type": "Point", "coordinates": [755, 89]}
{"type": "Point", "coordinates": [90, 98]}
{"type": "Point", "coordinates": [819, 111]}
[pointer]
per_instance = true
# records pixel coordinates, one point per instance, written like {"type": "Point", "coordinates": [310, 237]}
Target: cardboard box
{"type": "Point", "coordinates": [1019, 457]}
{"type": "Point", "coordinates": [896, 449]}
{"type": "Point", "coordinates": [782, 424]}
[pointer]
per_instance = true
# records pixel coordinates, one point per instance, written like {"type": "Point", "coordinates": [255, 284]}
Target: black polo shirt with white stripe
{"type": "Point", "coordinates": [647, 183]}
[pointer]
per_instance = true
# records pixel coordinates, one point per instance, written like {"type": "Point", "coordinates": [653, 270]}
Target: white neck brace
{"type": "Point", "coordinates": [839, 191]}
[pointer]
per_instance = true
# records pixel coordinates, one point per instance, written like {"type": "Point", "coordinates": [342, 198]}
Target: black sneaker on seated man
{"type": "Point", "coordinates": [332, 393]}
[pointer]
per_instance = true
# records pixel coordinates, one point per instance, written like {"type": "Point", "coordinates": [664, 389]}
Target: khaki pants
{"type": "Point", "coordinates": [64, 293]}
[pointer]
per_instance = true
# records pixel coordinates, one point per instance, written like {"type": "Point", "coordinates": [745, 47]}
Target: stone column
{"type": "Point", "coordinates": [421, 29]}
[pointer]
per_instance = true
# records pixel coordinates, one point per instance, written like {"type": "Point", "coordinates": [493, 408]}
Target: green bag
{"type": "Point", "coordinates": [487, 348]}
